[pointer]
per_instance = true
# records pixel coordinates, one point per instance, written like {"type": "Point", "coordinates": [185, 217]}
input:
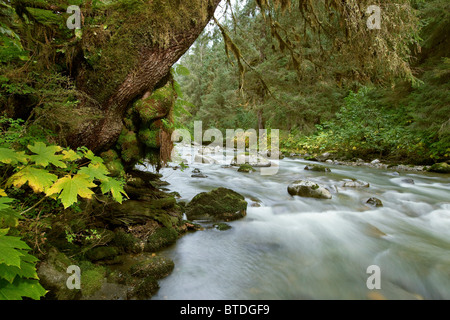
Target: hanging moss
{"type": "Point", "coordinates": [129, 147]}
{"type": "Point", "coordinates": [150, 138]}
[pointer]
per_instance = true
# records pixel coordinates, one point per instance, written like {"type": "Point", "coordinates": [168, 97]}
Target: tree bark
{"type": "Point", "coordinates": [155, 63]}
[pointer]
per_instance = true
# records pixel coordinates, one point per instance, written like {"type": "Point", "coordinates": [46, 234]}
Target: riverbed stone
{"type": "Point", "coordinates": [304, 188]}
{"type": "Point", "coordinates": [218, 204]}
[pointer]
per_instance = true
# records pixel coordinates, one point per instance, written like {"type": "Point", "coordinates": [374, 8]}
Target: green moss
{"type": "Point", "coordinates": [102, 253]}
{"type": "Point", "coordinates": [160, 239]}
{"type": "Point", "coordinates": [246, 168]}
{"type": "Point", "coordinates": [150, 138]}
{"type": "Point", "coordinates": [222, 226]}
{"type": "Point", "coordinates": [317, 168]}
{"type": "Point", "coordinates": [146, 288]}
{"type": "Point", "coordinates": [126, 242]}
{"type": "Point", "coordinates": [92, 281]}
{"type": "Point", "coordinates": [440, 168]}
{"type": "Point", "coordinates": [129, 146]}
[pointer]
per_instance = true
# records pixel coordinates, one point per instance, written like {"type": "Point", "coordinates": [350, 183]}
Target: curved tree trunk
{"type": "Point", "coordinates": [154, 65]}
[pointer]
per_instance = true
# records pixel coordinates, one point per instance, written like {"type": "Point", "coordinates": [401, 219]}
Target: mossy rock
{"type": "Point", "coordinates": [145, 288]}
{"type": "Point", "coordinates": [246, 168]}
{"type": "Point", "coordinates": [102, 253]}
{"type": "Point", "coordinates": [304, 188]}
{"type": "Point", "coordinates": [160, 239]}
{"type": "Point", "coordinates": [375, 202]}
{"type": "Point", "coordinates": [157, 267]}
{"type": "Point", "coordinates": [317, 168]}
{"type": "Point", "coordinates": [151, 138]}
{"type": "Point", "coordinates": [218, 204]}
{"type": "Point", "coordinates": [126, 242]}
{"type": "Point", "coordinates": [442, 167]}
{"type": "Point", "coordinates": [134, 212]}
{"type": "Point", "coordinates": [222, 226]}
{"type": "Point", "coordinates": [92, 280]}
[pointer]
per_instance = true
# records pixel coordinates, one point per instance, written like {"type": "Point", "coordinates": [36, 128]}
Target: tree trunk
{"type": "Point", "coordinates": [154, 64]}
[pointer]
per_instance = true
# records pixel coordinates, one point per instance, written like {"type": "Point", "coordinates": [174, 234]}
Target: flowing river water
{"type": "Point", "coordinates": [304, 248]}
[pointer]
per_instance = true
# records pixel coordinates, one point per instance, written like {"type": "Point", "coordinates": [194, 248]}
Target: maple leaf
{"type": "Point", "coordinates": [38, 179]}
{"type": "Point", "coordinates": [44, 155]}
{"type": "Point", "coordinates": [69, 188]}
{"type": "Point", "coordinates": [9, 156]}
{"type": "Point", "coordinates": [91, 156]}
{"type": "Point", "coordinates": [95, 171]}
{"type": "Point", "coordinates": [70, 155]}
{"type": "Point", "coordinates": [115, 187]}
{"type": "Point", "coordinates": [10, 253]}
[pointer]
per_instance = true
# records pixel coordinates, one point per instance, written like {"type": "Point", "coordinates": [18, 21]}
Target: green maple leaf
{"type": "Point", "coordinates": [70, 155]}
{"type": "Point", "coordinates": [4, 202]}
{"type": "Point", "coordinates": [44, 155]}
{"type": "Point", "coordinates": [91, 156]}
{"type": "Point", "coordinates": [9, 156]}
{"type": "Point", "coordinates": [10, 253]}
{"type": "Point", "coordinates": [69, 188]}
{"type": "Point", "coordinates": [95, 171]}
{"type": "Point", "coordinates": [38, 179]}
{"type": "Point", "coordinates": [115, 187]}
{"type": "Point", "coordinates": [21, 288]}
{"type": "Point", "coordinates": [27, 269]}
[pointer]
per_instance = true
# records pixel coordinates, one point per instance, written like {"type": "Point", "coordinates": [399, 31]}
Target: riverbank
{"type": "Point", "coordinates": [115, 246]}
{"type": "Point", "coordinates": [327, 157]}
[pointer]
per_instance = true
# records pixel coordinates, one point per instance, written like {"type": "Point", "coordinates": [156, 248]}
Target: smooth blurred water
{"type": "Point", "coordinates": [302, 248]}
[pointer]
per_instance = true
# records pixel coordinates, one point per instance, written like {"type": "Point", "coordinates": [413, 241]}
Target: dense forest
{"type": "Point", "coordinates": [90, 90]}
{"type": "Point", "coordinates": [314, 88]}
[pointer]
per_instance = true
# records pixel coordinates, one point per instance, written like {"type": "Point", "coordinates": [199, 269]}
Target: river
{"type": "Point", "coordinates": [303, 248]}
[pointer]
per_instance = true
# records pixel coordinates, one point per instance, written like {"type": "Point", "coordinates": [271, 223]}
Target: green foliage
{"type": "Point", "coordinates": [18, 277]}
{"type": "Point", "coordinates": [52, 170]}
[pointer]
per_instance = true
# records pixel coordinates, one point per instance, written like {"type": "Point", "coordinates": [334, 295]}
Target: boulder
{"type": "Point", "coordinates": [218, 204]}
{"type": "Point", "coordinates": [304, 188]}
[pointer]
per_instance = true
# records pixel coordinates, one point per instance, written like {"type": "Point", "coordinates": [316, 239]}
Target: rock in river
{"type": "Point", "coordinates": [317, 168]}
{"type": "Point", "coordinates": [308, 189]}
{"type": "Point", "coordinates": [218, 204]}
{"type": "Point", "coordinates": [375, 202]}
{"type": "Point", "coordinates": [356, 184]}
